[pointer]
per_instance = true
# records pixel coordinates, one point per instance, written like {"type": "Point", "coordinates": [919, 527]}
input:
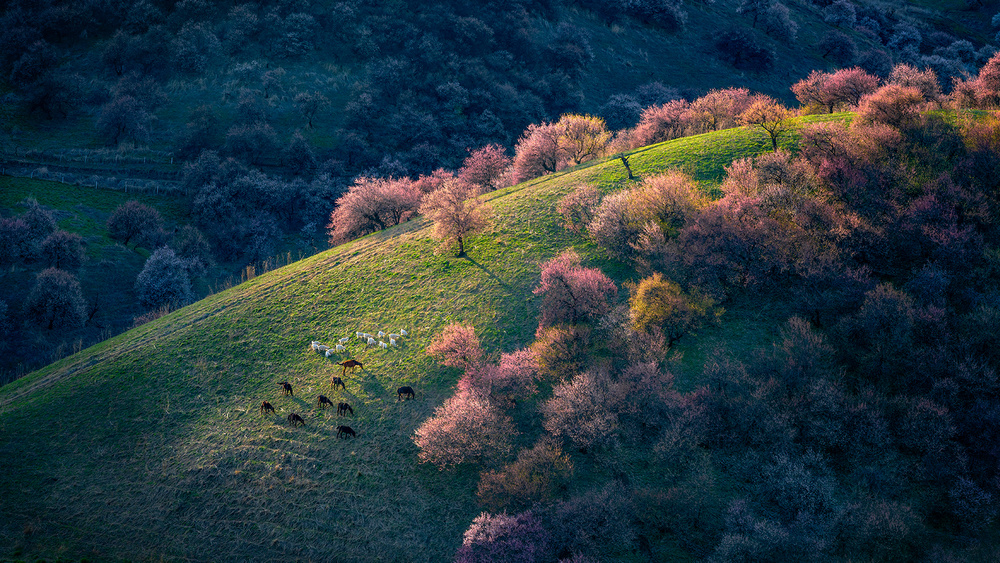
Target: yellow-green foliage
{"type": "Point", "coordinates": [660, 304]}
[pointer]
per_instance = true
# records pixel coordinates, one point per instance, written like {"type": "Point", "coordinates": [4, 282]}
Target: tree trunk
{"type": "Point", "coordinates": [628, 168]}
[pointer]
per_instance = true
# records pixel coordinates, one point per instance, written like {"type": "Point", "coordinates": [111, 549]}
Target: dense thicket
{"type": "Point", "coordinates": [863, 431]}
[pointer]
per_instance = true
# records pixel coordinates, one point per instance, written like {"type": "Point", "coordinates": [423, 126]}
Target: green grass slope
{"type": "Point", "coordinates": [150, 445]}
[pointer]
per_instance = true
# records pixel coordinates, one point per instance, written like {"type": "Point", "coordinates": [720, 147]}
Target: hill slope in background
{"type": "Point", "coordinates": [150, 444]}
{"type": "Point", "coordinates": [123, 94]}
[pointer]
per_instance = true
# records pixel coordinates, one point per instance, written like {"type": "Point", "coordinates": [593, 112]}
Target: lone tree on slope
{"type": "Point", "coordinates": [456, 214]}
{"type": "Point", "coordinates": [765, 112]}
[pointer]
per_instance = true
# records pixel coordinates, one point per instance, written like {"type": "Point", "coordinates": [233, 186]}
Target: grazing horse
{"type": "Point", "coordinates": [295, 420]}
{"type": "Point", "coordinates": [343, 409]}
{"type": "Point", "coordinates": [338, 382]}
{"type": "Point", "coordinates": [405, 391]}
{"type": "Point", "coordinates": [266, 407]}
{"type": "Point", "coordinates": [286, 388]}
{"type": "Point", "coordinates": [350, 364]}
{"type": "Point", "coordinates": [323, 401]}
{"type": "Point", "coordinates": [344, 431]}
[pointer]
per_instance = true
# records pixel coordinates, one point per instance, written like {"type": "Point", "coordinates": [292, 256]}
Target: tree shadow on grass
{"type": "Point", "coordinates": [499, 281]}
{"type": "Point", "coordinates": [370, 384]}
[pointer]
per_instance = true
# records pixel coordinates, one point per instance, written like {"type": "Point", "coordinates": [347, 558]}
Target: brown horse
{"type": "Point", "coordinates": [295, 420]}
{"type": "Point", "coordinates": [405, 391]}
{"type": "Point", "coordinates": [344, 431]}
{"type": "Point", "coordinates": [286, 388]}
{"type": "Point", "coordinates": [323, 401]}
{"type": "Point", "coordinates": [266, 408]}
{"type": "Point", "coordinates": [338, 382]}
{"type": "Point", "coordinates": [350, 364]}
{"type": "Point", "coordinates": [343, 409]}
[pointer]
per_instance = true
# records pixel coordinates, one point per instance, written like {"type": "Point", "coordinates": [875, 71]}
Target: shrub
{"type": "Point", "coordinates": [719, 109]}
{"type": "Point", "coordinates": [657, 303]}
{"type": "Point", "coordinates": [594, 523]}
{"type": "Point", "coordinates": [742, 50]}
{"type": "Point", "coordinates": [924, 81]}
{"type": "Point", "coordinates": [190, 245]}
{"type": "Point", "coordinates": [840, 14]}
{"type": "Point", "coordinates": [133, 221]}
{"type": "Point", "coordinates": [620, 111]}
{"type": "Point", "coordinates": [582, 137]}
{"type": "Point", "coordinates": [882, 529]}
{"type": "Point", "coordinates": [535, 476]}
{"type": "Point", "coordinates": [487, 167]}
{"type": "Point", "coordinates": [662, 123]}
{"type": "Point", "coordinates": [513, 377]}
{"type": "Point", "coordinates": [577, 207]}
{"type": "Point", "coordinates": [469, 427]}
{"type": "Point", "coordinates": [63, 250]}
{"type": "Point", "coordinates": [634, 223]}
{"type": "Point", "coordinates": [195, 47]}
{"type": "Point", "coordinates": [666, 14]}
{"type": "Point", "coordinates": [251, 143]}
{"type": "Point", "coordinates": [504, 539]}
{"type": "Point", "coordinates": [538, 152]}
{"type": "Point", "coordinates": [124, 119]}
{"type": "Point", "coordinates": [201, 132]}
{"type": "Point", "coordinates": [777, 22]}
{"type": "Point", "coordinates": [164, 280]}
{"type": "Point", "coordinates": [613, 227]}
{"type": "Point", "coordinates": [372, 204]}
{"type": "Point", "coordinates": [892, 104]}
{"type": "Point", "coordinates": [15, 240]}
{"type": "Point", "coordinates": [669, 200]}
{"type": "Point", "coordinates": [39, 220]}
{"type": "Point", "coordinates": [580, 411]}
{"type": "Point", "coordinates": [881, 337]}
{"type": "Point", "coordinates": [56, 300]}
{"type": "Point", "coordinates": [560, 351]}
{"type": "Point", "coordinates": [298, 155]}
{"type": "Point", "coordinates": [457, 346]}
{"type": "Point", "coordinates": [572, 293]}
{"type": "Point", "coordinates": [837, 47]}
{"type": "Point", "coordinates": [972, 506]}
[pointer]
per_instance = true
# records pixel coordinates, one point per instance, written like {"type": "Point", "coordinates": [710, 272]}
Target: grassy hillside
{"type": "Point", "coordinates": [150, 444]}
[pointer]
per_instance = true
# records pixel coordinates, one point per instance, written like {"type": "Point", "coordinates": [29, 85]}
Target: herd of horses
{"type": "Point", "coordinates": [295, 420]}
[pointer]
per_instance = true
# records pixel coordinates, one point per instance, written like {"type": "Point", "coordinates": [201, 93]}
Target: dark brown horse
{"type": "Point", "coordinates": [405, 391]}
{"type": "Point", "coordinates": [323, 401]}
{"type": "Point", "coordinates": [266, 408]}
{"type": "Point", "coordinates": [350, 364]}
{"type": "Point", "coordinates": [344, 431]}
{"type": "Point", "coordinates": [343, 409]}
{"type": "Point", "coordinates": [286, 387]}
{"type": "Point", "coordinates": [338, 382]}
{"type": "Point", "coordinates": [295, 420]}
